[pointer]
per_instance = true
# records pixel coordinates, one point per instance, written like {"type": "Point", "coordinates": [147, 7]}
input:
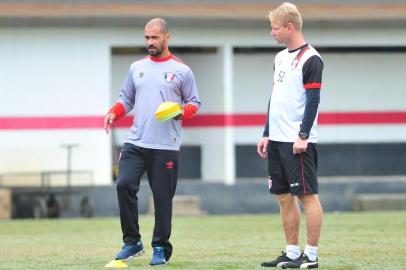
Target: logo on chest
{"type": "Point", "coordinates": [169, 76]}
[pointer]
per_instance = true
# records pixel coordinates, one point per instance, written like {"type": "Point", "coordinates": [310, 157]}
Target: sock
{"type": "Point", "coordinates": [311, 252]}
{"type": "Point", "coordinates": [292, 252]}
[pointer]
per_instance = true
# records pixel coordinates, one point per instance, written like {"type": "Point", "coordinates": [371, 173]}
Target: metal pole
{"type": "Point", "coordinates": [69, 169]}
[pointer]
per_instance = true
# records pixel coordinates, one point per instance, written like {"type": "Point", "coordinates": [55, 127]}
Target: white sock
{"type": "Point", "coordinates": [292, 252]}
{"type": "Point", "coordinates": [311, 252]}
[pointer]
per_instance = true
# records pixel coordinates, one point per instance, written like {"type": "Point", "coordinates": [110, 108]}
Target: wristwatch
{"type": "Point", "coordinates": [303, 135]}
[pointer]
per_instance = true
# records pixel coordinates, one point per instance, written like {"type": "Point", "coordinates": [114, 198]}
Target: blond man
{"type": "Point", "coordinates": [289, 139]}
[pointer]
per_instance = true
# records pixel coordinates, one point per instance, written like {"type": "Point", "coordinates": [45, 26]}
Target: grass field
{"type": "Point", "coordinates": [349, 241]}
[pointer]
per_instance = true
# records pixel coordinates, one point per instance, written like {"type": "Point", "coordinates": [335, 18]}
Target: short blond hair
{"type": "Point", "coordinates": [287, 13]}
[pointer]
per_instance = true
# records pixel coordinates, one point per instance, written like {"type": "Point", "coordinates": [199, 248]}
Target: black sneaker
{"type": "Point", "coordinates": [302, 262]}
{"type": "Point", "coordinates": [278, 262]}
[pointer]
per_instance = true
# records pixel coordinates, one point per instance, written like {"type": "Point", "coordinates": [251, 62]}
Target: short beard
{"type": "Point", "coordinates": [156, 54]}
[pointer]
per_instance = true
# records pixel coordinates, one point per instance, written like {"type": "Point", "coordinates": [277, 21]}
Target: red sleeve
{"type": "Point", "coordinates": [118, 109]}
{"type": "Point", "coordinates": [189, 111]}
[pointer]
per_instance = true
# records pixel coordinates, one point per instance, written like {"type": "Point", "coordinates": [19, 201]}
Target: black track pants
{"type": "Point", "coordinates": [162, 171]}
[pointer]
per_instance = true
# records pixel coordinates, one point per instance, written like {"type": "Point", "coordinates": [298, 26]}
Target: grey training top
{"type": "Point", "coordinates": [149, 82]}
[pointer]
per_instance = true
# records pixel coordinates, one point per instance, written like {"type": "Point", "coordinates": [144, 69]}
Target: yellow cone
{"type": "Point", "coordinates": [116, 264]}
{"type": "Point", "coordinates": [167, 110]}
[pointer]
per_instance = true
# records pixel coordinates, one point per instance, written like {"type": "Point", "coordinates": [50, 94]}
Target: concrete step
{"type": "Point", "coordinates": [379, 201]}
{"type": "Point", "coordinates": [5, 203]}
{"type": "Point", "coordinates": [183, 205]}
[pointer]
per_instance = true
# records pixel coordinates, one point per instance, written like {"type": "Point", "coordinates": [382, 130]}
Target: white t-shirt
{"type": "Point", "coordinates": [288, 100]}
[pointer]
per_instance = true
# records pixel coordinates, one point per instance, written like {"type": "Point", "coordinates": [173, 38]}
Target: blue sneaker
{"type": "Point", "coordinates": [130, 251]}
{"type": "Point", "coordinates": [158, 257]}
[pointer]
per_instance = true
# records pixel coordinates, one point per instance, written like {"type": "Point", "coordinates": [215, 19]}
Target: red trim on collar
{"type": "Point", "coordinates": [156, 59]}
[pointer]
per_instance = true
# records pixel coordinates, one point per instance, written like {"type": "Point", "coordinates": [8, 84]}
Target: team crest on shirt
{"type": "Point", "coordinates": [169, 76]}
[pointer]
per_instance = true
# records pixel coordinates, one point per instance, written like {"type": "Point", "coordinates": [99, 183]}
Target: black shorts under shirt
{"type": "Point", "coordinates": [295, 174]}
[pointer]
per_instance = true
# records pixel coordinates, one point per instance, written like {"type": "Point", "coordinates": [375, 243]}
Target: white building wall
{"type": "Point", "coordinates": [253, 79]}
{"type": "Point", "coordinates": [54, 72]}
{"type": "Point", "coordinates": [363, 82]}
{"type": "Point", "coordinates": [67, 72]}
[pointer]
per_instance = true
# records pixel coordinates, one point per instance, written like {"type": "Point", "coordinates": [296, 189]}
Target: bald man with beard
{"type": "Point", "coordinates": [152, 146]}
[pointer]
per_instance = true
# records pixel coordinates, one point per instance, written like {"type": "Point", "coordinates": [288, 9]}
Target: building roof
{"type": "Point", "coordinates": [123, 13]}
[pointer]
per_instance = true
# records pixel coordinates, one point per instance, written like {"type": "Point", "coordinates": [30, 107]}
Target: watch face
{"type": "Point", "coordinates": [303, 135]}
